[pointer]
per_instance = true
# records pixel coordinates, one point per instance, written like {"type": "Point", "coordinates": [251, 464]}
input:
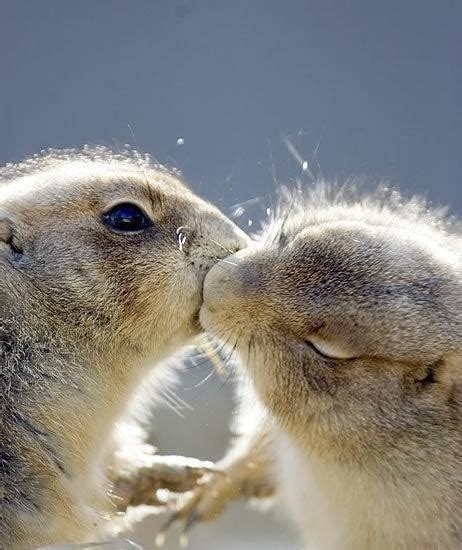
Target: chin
{"type": "Point", "coordinates": [205, 318]}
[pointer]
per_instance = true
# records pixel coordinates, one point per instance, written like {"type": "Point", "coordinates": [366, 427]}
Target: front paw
{"type": "Point", "coordinates": [137, 478]}
{"type": "Point", "coordinates": [208, 500]}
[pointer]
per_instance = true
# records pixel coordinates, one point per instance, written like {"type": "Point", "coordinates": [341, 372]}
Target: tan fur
{"type": "Point", "coordinates": [368, 449]}
{"type": "Point", "coordinates": [84, 312]}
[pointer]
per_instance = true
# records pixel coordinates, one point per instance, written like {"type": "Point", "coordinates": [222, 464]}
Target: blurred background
{"type": "Point", "coordinates": [240, 95]}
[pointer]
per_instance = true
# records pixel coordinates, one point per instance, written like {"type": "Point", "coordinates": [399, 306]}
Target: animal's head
{"type": "Point", "coordinates": [347, 314]}
{"type": "Point", "coordinates": [110, 245]}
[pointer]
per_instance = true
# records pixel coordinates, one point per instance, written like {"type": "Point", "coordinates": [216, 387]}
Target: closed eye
{"type": "Point", "coordinates": [328, 349]}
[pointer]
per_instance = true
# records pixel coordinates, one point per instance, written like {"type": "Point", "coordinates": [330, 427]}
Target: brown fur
{"type": "Point", "coordinates": [84, 312]}
{"type": "Point", "coordinates": [367, 445]}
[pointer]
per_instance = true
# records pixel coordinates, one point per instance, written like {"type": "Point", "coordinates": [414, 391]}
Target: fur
{"type": "Point", "coordinates": [84, 313]}
{"type": "Point", "coordinates": [367, 439]}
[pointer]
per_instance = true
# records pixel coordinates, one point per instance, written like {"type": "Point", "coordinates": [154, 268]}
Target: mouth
{"type": "Point", "coordinates": [195, 321]}
{"type": "Point", "coordinates": [202, 275]}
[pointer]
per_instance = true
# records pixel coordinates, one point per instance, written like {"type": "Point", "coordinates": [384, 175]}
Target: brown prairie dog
{"type": "Point", "coordinates": [102, 260]}
{"type": "Point", "coordinates": [347, 314]}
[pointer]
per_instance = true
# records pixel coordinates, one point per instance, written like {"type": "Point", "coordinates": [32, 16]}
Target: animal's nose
{"type": "Point", "coordinates": [240, 239]}
{"type": "Point", "coordinates": [243, 240]}
{"type": "Point", "coordinates": [214, 237]}
{"type": "Point", "coordinates": [230, 243]}
{"type": "Point", "coordinates": [235, 277]}
{"type": "Point", "coordinates": [210, 241]}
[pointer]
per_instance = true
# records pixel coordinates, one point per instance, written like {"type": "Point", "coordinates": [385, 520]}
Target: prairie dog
{"type": "Point", "coordinates": [102, 261]}
{"type": "Point", "coordinates": [347, 316]}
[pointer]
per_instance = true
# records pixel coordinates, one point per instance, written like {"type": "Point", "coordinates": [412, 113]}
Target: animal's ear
{"type": "Point", "coordinates": [7, 233]}
{"type": "Point", "coordinates": [449, 370]}
{"type": "Point", "coordinates": [445, 373]}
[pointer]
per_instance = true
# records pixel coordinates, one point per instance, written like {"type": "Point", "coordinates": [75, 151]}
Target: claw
{"type": "Point", "coordinates": [171, 520]}
{"type": "Point", "coordinates": [184, 540]}
{"type": "Point", "coordinates": [162, 533]}
{"type": "Point", "coordinates": [193, 518]}
{"type": "Point", "coordinates": [187, 506]}
{"type": "Point", "coordinates": [160, 539]}
{"type": "Point", "coordinates": [190, 521]}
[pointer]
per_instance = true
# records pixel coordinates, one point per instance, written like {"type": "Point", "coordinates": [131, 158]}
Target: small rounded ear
{"type": "Point", "coordinates": [445, 373]}
{"type": "Point", "coordinates": [7, 233]}
{"type": "Point", "coordinates": [449, 370]}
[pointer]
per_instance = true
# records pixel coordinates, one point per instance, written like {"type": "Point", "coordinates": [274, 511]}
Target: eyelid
{"type": "Point", "coordinates": [329, 349]}
{"type": "Point", "coordinates": [120, 202]}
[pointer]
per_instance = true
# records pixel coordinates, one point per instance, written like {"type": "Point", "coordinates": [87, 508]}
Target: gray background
{"type": "Point", "coordinates": [374, 87]}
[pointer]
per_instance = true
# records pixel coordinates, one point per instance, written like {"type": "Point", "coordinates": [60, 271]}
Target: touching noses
{"type": "Point", "coordinates": [205, 248]}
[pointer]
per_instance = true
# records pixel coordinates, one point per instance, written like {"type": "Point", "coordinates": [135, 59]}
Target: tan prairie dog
{"type": "Point", "coordinates": [102, 260]}
{"type": "Point", "coordinates": [347, 317]}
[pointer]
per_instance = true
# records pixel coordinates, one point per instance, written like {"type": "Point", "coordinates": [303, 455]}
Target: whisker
{"type": "Point", "coordinates": [209, 356]}
{"type": "Point", "coordinates": [214, 356]}
{"type": "Point", "coordinates": [202, 382]}
{"type": "Point", "coordinates": [231, 373]}
{"type": "Point", "coordinates": [231, 364]}
{"type": "Point", "coordinates": [198, 363]}
{"type": "Point", "coordinates": [175, 397]}
{"type": "Point", "coordinates": [171, 404]}
{"type": "Point", "coordinates": [249, 202]}
{"type": "Point", "coordinates": [221, 246]}
{"type": "Point", "coordinates": [194, 353]}
{"type": "Point", "coordinates": [227, 262]}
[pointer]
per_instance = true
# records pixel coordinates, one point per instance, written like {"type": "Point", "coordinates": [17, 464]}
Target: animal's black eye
{"type": "Point", "coordinates": [126, 218]}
